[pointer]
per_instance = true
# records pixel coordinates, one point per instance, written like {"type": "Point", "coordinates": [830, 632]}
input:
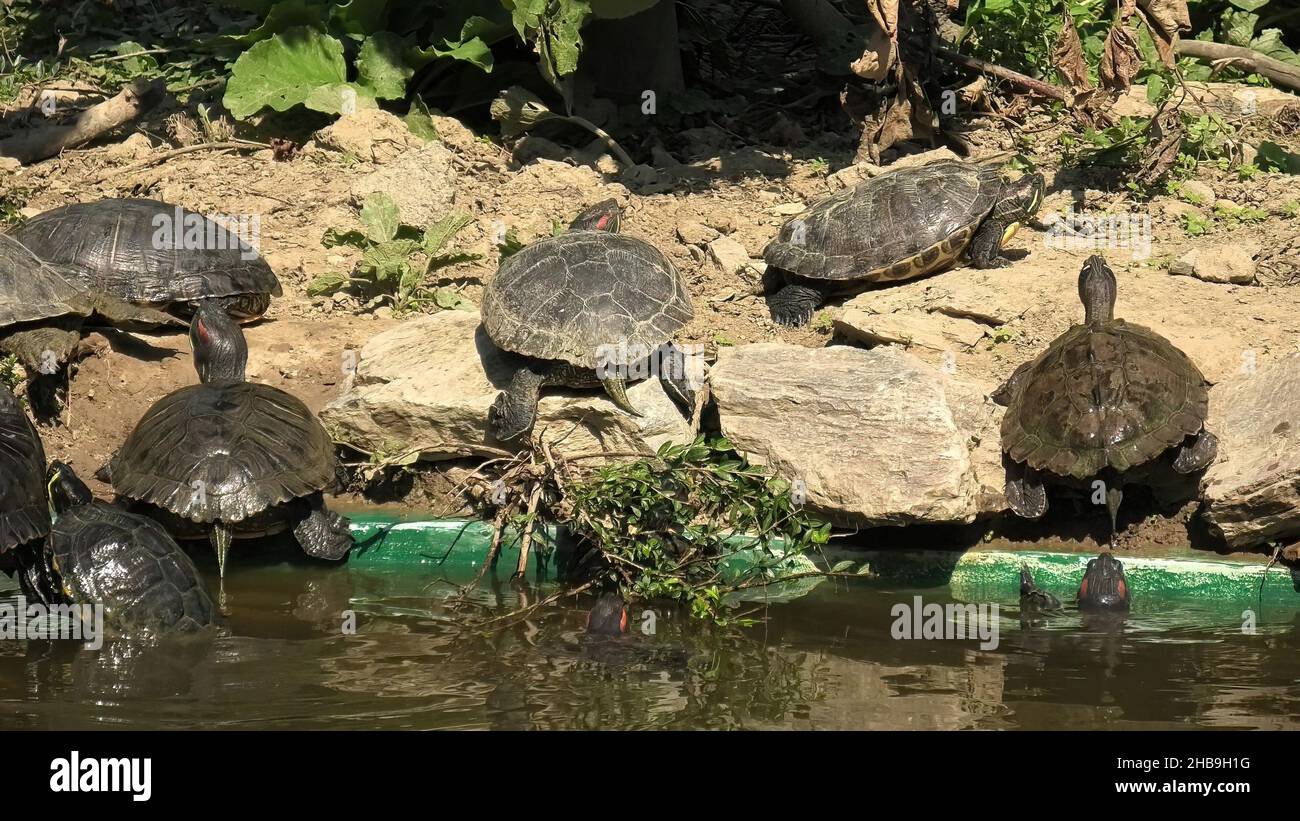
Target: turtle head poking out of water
{"type": "Point", "coordinates": [608, 617]}
{"type": "Point", "coordinates": [1104, 588]}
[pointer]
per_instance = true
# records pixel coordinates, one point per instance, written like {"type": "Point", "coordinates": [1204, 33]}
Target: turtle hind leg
{"type": "Point", "coordinates": [1026, 494]}
{"type": "Point", "coordinates": [515, 409]}
{"type": "Point", "coordinates": [986, 245]}
{"type": "Point", "coordinates": [322, 533]}
{"type": "Point", "coordinates": [1114, 497]}
{"type": "Point", "coordinates": [794, 304]}
{"type": "Point", "coordinates": [617, 390]}
{"type": "Point", "coordinates": [1197, 454]}
{"type": "Point", "coordinates": [44, 353]}
{"type": "Point", "coordinates": [677, 378]}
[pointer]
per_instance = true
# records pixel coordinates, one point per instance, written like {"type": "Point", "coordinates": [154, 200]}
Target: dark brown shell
{"type": "Point", "coordinates": [245, 446]}
{"type": "Point", "coordinates": [24, 512]}
{"type": "Point", "coordinates": [1111, 395]}
{"type": "Point", "coordinates": [566, 297]}
{"type": "Point", "coordinates": [898, 225]}
{"type": "Point", "coordinates": [109, 247]}
{"type": "Point", "coordinates": [32, 290]}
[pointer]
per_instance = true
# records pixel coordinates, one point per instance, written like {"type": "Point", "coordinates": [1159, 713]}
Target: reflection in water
{"type": "Point", "coordinates": [286, 659]}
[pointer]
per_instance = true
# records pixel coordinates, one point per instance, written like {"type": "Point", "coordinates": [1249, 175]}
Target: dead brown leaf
{"type": "Point", "coordinates": [1164, 141]}
{"type": "Point", "coordinates": [1171, 16]}
{"type": "Point", "coordinates": [1120, 59]}
{"type": "Point", "coordinates": [1068, 58]}
{"type": "Point", "coordinates": [885, 13]}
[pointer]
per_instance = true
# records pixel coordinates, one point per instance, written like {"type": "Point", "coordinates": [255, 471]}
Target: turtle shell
{"type": "Point", "coordinates": [128, 563]}
{"type": "Point", "coordinates": [115, 247]}
{"type": "Point", "coordinates": [568, 297]}
{"type": "Point", "coordinates": [24, 511]}
{"type": "Point", "coordinates": [899, 225]}
{"type": "Point", "coordinates": [32, 290]}
{"type": "Point", "coordinates": [224, 451]}
{"type": "Point", "coordinates": [1110, 395]}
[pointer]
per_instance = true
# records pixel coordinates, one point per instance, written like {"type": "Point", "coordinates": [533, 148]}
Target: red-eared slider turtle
{"type": "Point", "coordinates": [24, 512]}
{"type": "Point", "coordinates": [151, 253]}
{"type": "Point", "coordinates": [229, 458]}
{"type": "Point", "coordinates": [902, 224]}
{"type": "Point", "coordinates": [100, 554]}
{"type": "Point", "coordinates": [608, 617]}
{"type": "Point", "coordinates": [589, 308]}
{"type": "Point", "coordinates": [1104, 587]}
{"type": "Point", "coordinates": [1106, 397]}
{"type": "Point", "coordinates": [1034, 599]}
{"type": "Point", "coordinates": [41, 315]}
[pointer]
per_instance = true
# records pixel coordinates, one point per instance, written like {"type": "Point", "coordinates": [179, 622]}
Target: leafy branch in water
{"type": "Point", "coordinates": [397, 259]}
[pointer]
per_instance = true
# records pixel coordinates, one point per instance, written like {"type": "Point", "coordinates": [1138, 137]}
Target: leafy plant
{"type": "Point", "coordinates": [665, 526]}
{"type": "Point", "coordinates": [1194, 225]}
{"type": "Point", "coordinates": [397, 259]}
{"type": "Point", "coordinates": [11, 372]}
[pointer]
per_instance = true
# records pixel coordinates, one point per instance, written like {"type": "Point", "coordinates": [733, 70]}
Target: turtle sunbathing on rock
{"type": "Point", "coordinates": [1108, 402]}
{"type": "Point", "coordinates": [587, 308]}
{"type": "Point", "coordinates": [899, 225]}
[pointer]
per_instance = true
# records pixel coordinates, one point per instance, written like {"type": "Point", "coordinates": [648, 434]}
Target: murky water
{"type": "Point", "coordinates": [826, 661]}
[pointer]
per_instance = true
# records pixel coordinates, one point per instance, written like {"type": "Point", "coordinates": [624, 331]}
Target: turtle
{"type": "Point", "coordinates": [1106, 402]}
{"type": "Point", "coordinates": [899, 225]}
{"type": "Point", "coordinates": [42, 311]}
{"type": "Point", "coordinates": [98, 553]}
{"type": "Point", "coordinates": [1034, 599]}
{"type": "Point", "coordinates": [24, 512]}
{"type": "Point", "coordinates": [1104, 587]}
{"type": "Point", "coordinates": [229, 458]}
{"type": "Point", "coordinates": [608, 617]}
{"type": "Point", "coordinates": [148, 252]}
{"type": "Point", "coordinates": [589, 307]}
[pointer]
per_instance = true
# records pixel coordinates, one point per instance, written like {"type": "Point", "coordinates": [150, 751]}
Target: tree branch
{"type": "Point", "coordinates": [1275, 70]}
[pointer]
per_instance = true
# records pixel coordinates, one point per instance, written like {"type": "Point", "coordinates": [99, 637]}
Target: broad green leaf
{"type": "Point", "coordinates": [560, 42]}
{"type": "Point", "coordinates": [326, 284]}
{"type": "Point", "coordinates": [1249, 5]}
{"type": "Point", "coordinates": [842, 567]}
{"type": "Point", "coordinates": [339, 98]}
{"type": "Point", "coordinates": [1155, 88]}
{"type": "Point", "coordinates": [358, 18]}
{"type": "Point", "coordinates": [1239, 27]}
{"type": "Point", "coordinates": [381, 68]}
{"type": "Point", "coordinates": [1273, 157]}
{"type": "Point", "coordinates": [381, 217]}
{"type": "Point", "coordinates": [437, 235]}
{"type": "Point", "coordinates": [283, 71]}
{"type": "Point", "coordinates": [1269, 42]}
{"type": "Point", "coordinates": [334, 237]}
{"type": "Point", "coordinates": [420, 122]}
{"type": "Point", "coordinates": [449, 299]}
{"type": "Point", "coordinates": [283, 16]}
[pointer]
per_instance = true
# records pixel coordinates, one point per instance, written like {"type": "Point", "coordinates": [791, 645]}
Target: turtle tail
{"type": "Point", "coordinates": [617, 390]}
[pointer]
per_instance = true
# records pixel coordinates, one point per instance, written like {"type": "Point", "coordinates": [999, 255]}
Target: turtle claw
{"type": "Point", "coordinates": [1198, 454]}
{"type": "Point", "coordinates": [794, 305]}
{"type": "Point", "coordinates": [1025, 492]}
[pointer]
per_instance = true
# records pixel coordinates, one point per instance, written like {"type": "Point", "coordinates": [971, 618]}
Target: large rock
{"type": "Point", "coordinates": [421, 181]}
{"type": "Point", "coordinates": [427, 384]}
{"type": "Point", "coordinates": [876, 436]}
{"type": "Point", "coordinates": [1252, 491]}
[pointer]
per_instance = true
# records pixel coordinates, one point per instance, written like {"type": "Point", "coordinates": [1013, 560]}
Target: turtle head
{"type": "Point", "coordinates": [1104, 586]}
{"type": "Point", "coordinates": [1097, 290]}
{"type": "Point", "coordinates": [603, 216]}
{"type": "Point", "coordinates": [1020, 201]}
{"type": "Point", "coordinates": [220, 351]}
{"type": "Point", "coordinates": [608, 617]}
{"type": "Point", "coordinates": [66, 488]}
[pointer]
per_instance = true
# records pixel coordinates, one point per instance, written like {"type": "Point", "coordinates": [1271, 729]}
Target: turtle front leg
{"type": "Point", "coordinates": [1025, 491]}
{"type": "Point", "coordinates": [515, 409]}
{"type": "Point", "coordinates": [794, 304]}
{"type": "Point", "coordinates": [1197, 454]}
{"type": "Point", "coordinates": [322, 533]}
{"type": "Point", "coordinates": [677, 378]}
{"type": "Point", "coordinates": [986, 245]}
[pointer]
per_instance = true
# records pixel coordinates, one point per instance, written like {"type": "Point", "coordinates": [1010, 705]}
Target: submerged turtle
{"type": "Point", "coordinates": [151, 253]}
{"type": "Point", "coordinates": [1104, 587]}
{"type": "Point", "coordinates": [42, 311]}
{"type": "Point", "coordinates": [100, 554]}
{"type": "Point", "coordinates": [229, 458]}
{"type": "Point", "coordinates": [1103, 402]}
{"type": "Point", "coordinates": [608, 617]}
{"type": "Point", "coordinates": [588, 307]}
{"type": "Point", "coordinates": [24, 512]}
{"type": "Point", "coordinates": [1034, 599]}
{"type": "Point", "coordinates": [899, 225]}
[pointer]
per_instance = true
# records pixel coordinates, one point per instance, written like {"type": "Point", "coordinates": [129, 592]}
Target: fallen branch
{"type": "Point", "coordinates": [1249, 59]}
{"type": "Point", "coordinates": [1014, 77]}
{"type": "Point", "coordinates": [47, 141]}
{"type": "Point", "coordinates": [230, 145]}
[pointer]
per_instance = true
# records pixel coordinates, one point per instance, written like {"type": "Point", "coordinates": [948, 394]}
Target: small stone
{"type": "Point", "coordinates": [935, 331]}
{"type": "Point", "coordinates": [788, 209]}
{"type": "Point", "coordinates": [695, 233]}
{"type": "Point", "coordinates": [1220, 263]}
{"type": "Point", "coordinates": [1197, 192]}
{"type": "Point", "coordinates": [730, 256]}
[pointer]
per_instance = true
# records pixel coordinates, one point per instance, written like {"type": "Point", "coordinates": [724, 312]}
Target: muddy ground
{"type": "Point", "coordinates": [710, 185]}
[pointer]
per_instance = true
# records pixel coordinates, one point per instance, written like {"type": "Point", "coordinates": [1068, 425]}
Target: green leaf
{"type": "Point", "coordinates": [1249, 5]}
{"type": "Point", "coordinates": [449, 299]}
{"type": "Point", "coordinates": [842, 567]}
{"type": "Point", "coordinates": [358, 18]}
{"type": "Point", "coordinates": [334, 237]}
{"type": "Point", "coordinates": [437, 235]}
{"type": "Point", "coordinates": [560, 42]}
{"type": "Point", "coordinates": [381, 217]}
{"type": "Point", "coordinates": [326, 284]}
{"type": "Point", "coordinates": [1155, 88]}
{"type": "Point", "coordinates": [339, 98]}
{"type": "Point", "coordinates": [283, 71]}
{"type": "Point", "coordinates": [1239, 27]}
{"type": "Point", "coordinates": [420, 121]}
{"type": "Point", "coordinates": [1273, 157]}
{"type": "Point", "coordinates": [381, 68]}
{"type": "Point", "coordinates": [1269, 42]}
{"type": "Point", "coordinates": [282, 16]}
